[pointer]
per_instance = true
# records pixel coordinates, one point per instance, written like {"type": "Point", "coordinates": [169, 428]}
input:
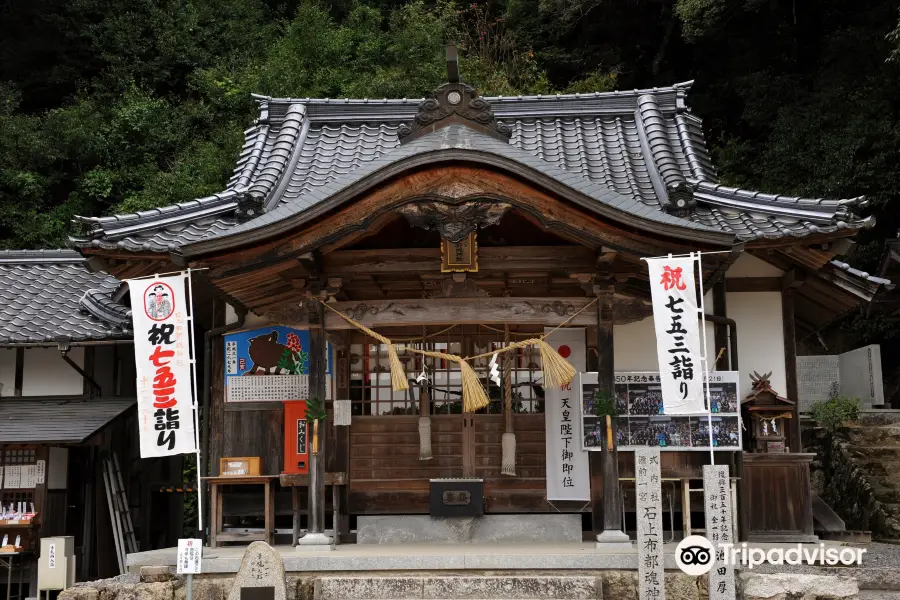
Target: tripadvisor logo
{"type": "Point", "coordinates": [695, 555]}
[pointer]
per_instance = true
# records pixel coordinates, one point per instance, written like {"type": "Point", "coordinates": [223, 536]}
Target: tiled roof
{"type": "Point", "coordinates": [636, 144]}
{"type": "Point", "coordinates": [62, 421]}
{"type": "Point", "coordinates": [47, 295]}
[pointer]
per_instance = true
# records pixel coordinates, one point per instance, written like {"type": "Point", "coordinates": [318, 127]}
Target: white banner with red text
{"type": "Point", "coordinates": [676, 320]}
{"type": "Point", "coordinates": [568, 473]}
{"type": "Point", "coordinates": [164, 356]}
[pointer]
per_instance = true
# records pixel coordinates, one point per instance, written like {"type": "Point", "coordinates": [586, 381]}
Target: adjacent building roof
{"type": "Point", "coordinates": [636, 150]}
{"type": "Point", "coordinates": [56, 421]}
{"type": "Point", "coordinates": [47, 296]}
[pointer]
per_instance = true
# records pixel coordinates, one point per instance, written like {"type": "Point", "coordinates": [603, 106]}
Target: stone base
{"type": "Point", "coordinates": [315, 542]}
{"type": "Point", "coordinates": [489, 529]}
{"type": "Point", "coordinates": [613, 540]}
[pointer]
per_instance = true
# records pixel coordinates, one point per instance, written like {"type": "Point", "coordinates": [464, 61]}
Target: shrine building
{"type": "Point", "coordinates": [461, 224]}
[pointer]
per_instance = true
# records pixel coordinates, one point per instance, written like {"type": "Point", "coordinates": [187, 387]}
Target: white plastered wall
{"type": "Point", "coordinates": [760, 327]}
{"type": "Point", "coordinates": [45, 373]}
{"type": "Point", "coordinates": [635, 346]}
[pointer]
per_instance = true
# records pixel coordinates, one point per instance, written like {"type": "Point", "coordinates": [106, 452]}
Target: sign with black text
{"type": "Point", "coordinates": [676, 319]}
{"type": "Point", "coordinates": [190, 553]}
{"type": "Point", "coordinates": [164, 359]}
{"type": "Point", "coordinates": [568, 476]}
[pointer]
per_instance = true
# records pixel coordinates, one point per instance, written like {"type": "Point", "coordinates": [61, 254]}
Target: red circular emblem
{"type": "Point", "coordinates": [159, 301]}
{"type": "Point", "coordinates": [565, 351]}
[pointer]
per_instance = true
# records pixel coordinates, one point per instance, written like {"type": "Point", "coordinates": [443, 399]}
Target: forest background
{"type": "Point", "coordinates": [120, 105]}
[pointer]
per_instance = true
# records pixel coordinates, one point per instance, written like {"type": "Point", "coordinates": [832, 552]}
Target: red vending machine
{"type": "Point", "coordinates": [296, 441]}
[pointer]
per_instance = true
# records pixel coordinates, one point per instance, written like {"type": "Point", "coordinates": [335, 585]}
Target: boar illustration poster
{"type": "Point", "coordinates": [269, 364]}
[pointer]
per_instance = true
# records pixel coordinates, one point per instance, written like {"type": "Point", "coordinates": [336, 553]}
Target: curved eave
{"type": "Point", "coordinates": [644, 219]}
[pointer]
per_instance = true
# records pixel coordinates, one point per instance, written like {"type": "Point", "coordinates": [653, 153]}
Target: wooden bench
{"type": "Point", "coordinates": [296, 482]}
{"type": "Point", "coordinates": [216, 535]}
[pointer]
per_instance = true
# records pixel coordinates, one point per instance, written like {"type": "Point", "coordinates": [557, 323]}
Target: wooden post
{"type": "Point", "coordinates": [790, 364]}
{"type": "Point", "coordinates": [611, 534]}
{"type": "Point", "coordinates": [315, 528]}
{"type": "Point", "coordinates": [19, 378]}
{"type": "Point", "coordinates": [721, 331]}
{"type": "Point", "coordinates": [341, 456]}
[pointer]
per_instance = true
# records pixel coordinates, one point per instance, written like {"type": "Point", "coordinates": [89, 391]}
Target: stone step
{"type": "Point", "coordinates": [557, 587]}
{"type": "Point", "coordinates": [878, 595]}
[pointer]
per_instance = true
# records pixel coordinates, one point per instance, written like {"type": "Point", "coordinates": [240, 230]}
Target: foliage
{"type": "Point", "coordinates": [315, 409]}
{"type": "Point", "coordinates": [123, 105]}
{"type": "Point", "coordinates": [834, 412]}
{"type": "Point", "coordinates": [604, 404]}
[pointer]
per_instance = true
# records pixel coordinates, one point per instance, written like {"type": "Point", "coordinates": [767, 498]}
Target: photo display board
{"type": "Point", "coordinates": [641, 420]}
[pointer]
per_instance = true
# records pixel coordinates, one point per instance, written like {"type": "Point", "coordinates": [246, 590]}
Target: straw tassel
{"type": "Point", "coordinates": [474, 397]}
{"type": "Point", "coordinates": [557, 370]}
{"type": "Point", "coordinates": [508, 448]}
{"type": "Point", "coordinates": [398, 374]}
{"type": "Point", "coordinates": [425, 438]}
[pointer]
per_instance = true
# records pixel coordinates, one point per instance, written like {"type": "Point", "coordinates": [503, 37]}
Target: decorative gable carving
{"type": "Point", "coordinates": [454, 103]}
{"type": "Point", "coordinates": [454, 221]}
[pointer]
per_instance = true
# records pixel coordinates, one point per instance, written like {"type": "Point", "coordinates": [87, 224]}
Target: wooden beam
{"type": "Point", "coordinates": [418, 260]}
{"type": "Point", "coordinates": [461, 311]}
{"type": "Point", "coordinates": [753, 284]}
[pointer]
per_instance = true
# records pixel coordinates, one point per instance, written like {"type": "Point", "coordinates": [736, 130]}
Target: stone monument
{"type": "Point", "coordinates": [261, 576]}
{"type": "Point", "coordinates": [648, 486]}
{"type": "Point", "coordinates": [719, 530]}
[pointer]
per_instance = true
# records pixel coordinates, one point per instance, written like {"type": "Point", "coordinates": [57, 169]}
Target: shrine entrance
{"type": "Point", "coordinates": [385, 445]}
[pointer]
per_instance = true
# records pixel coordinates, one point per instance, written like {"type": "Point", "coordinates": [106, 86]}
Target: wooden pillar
{"type": "Point", "coordinates": [611, 501]}
{"type": "Point", "coordinates": [315, 531]}
{"type": "Point", "coordinates": [19, 381]}
{"type": "Point", "coordinates": [790, 364]}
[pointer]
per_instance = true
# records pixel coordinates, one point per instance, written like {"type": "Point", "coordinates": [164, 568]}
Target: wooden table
{"type": "Point", "coordinates": [295, 482]}
{"type": "Point", "coordinates": [215, 517]}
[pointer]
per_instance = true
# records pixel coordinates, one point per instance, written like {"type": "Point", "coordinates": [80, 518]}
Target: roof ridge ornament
{"type": "Point", "coordinates": [454, 103]}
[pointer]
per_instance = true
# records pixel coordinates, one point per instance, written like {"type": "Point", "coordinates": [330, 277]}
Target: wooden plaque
{"type": "Point", "coordinates": [460, 256]}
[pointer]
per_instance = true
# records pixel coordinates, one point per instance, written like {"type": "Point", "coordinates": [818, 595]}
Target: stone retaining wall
{"type": "Point", "coordinates": [840, 476]}
{"type": "Point", "coordinates": [157, 583]}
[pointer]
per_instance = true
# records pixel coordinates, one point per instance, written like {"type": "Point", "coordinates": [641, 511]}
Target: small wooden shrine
{"type": "Point", "coordinates": [769, 416]}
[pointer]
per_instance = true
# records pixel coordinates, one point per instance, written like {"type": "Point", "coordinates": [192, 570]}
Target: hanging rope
{"type": "Point", "coordinates": [557, 371]}
{"type": "Point", "coordinates": [508, 439]}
